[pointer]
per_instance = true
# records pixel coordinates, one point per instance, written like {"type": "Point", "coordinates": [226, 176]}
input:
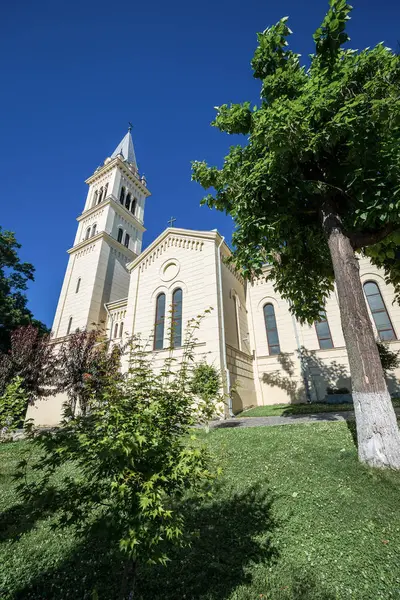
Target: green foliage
{"type": "Point", "coordinates": [390, 359]}
{"type": "Point", "coordinates": [14, 277]}
{"type": "Point", "coordinates": [329, 133]}
{"type": "Point", "coordinates": [206, 384]}
{"type": "Point", "coordinates": [13, 403]}
{"type": "Point", "coordinates": [133, 452]}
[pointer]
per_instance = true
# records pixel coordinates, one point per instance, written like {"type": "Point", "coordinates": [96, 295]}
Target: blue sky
{"type": "Point", "coordinates": [73, 75]}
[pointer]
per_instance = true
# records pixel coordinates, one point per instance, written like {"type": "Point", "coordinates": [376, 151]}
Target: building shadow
{"type": "Point", "coordinates": [316, 376]}
{"type": "Point", "coordinates": [285, 379]}
{"type": "Point", "coordinates": [232, 532]}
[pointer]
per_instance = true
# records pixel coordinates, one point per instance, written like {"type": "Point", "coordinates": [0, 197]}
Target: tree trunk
{"type": "Point", "coordinates": [127, 589]}
{"type": "Point", "coordinates": [377, 432]}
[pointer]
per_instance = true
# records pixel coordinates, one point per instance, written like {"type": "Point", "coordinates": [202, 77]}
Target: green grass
{"type": "Point", "coordinates": [278, 410]}
{"type": "Point", "coordinates": [295, 517]}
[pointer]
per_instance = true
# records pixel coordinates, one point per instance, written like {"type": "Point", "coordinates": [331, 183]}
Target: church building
{"type": "Point", "coordinates": [265, 356]}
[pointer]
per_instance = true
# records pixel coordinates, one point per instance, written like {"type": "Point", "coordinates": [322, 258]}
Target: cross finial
{"type": "Point", "coordinates": [171, 222]}
{"type": "Point", "coordinates": [129, 126]}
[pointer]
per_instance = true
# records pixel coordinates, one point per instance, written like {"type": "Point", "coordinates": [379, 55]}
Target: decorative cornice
{"type": "Point", "coordinates": [130, 255]}
{"type": "Point", "coordinates": [172, 236]}
{"type": "Point", "coordinates": [117, 206]}
{"type": "Point", "coordinates": [117, 162]}
{"type": "Point", "coordinates": [122, 303]}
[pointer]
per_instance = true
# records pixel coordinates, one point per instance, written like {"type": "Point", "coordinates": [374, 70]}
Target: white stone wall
{"type": "Point", "coordinates": [82, 265]}
{"type": "Point", "coordinates": [280, 378]}
{"type": "Point", "coordinates": [193, 260]}
{"type": "Point", "coordinates": [239, 352]}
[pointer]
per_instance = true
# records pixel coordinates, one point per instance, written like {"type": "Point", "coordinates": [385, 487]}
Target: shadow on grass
{"type": "Point", "coordinates": [232, 532]}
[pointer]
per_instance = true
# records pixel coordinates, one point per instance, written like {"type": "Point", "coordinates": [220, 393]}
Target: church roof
{"type": "Point", "coordinates": [125, 147]}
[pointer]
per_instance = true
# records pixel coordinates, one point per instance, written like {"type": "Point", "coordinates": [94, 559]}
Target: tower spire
{"type": "Point", "coordinates": [125, 147]}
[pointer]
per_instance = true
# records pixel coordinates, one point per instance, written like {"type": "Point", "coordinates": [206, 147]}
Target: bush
{"type": "Point", "coordinates": [206, 384]}
{"type": "Point", "coordinates": [135, 458]}
{"type": "Point", "coordinates": [13, 404]}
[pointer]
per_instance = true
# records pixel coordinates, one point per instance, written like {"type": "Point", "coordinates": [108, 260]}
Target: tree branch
{"type": "Point", "coordinates": [368, 238]}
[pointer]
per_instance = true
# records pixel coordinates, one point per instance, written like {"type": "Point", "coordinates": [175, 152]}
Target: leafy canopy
{"type": "Point", "coordinates": [14, 277]}
{"type": "Point", "coordinates": [326, 132]}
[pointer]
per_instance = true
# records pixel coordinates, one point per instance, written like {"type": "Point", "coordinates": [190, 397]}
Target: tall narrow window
{"type": "Point", "coordinates": [323, 332]}
{"type": "Point", "coordinates": [237, 326]}
{"type": "Point", "coordinates": [176, 329]}
{"type": "Point", "coordinates": [69, 326]}
{"type": "Point", "coordinates": [87, 233]}
{"type": "Point", "coordinates": [121, 329]}
{"type": "Point", "coordinates": [133, 206]}
{"type": "Point", "coordinates": [127, 238]}
{"type": "Point", "coordinates": [100, 196]}
{"type": "Point", "coordinates": [159, 322]}
{"type": "Point", "coordinates": [271, 329]}
{"type": "Point", "coordinates": [96, 196]}
{"type": "Point", "coordinates": [379, 313]}
{"type": "Point", "coordinates": [128, 201]}
{"type": "Point", "coordinates": [122, 195]}
{"type": "Point", "coordinates": [94, 230]}
{"type": "Point", "coordinates": [78, 285]}
{"type": "Point", "coordinates": [105, 191]}
{"type": "Point", "coordinates": [120, 234]}
{"type": "Point", "coordinates": [116, 330]}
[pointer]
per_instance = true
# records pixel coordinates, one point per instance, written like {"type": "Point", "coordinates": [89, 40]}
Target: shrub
{"type": "Point", "coordinates": [206, 384]}
{"type": "Point", "coordinates": [135, 458]}
{"type": "Point", "coordinates": [12, 407]}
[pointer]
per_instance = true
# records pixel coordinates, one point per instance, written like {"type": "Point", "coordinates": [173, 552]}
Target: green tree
{"type": "Point", "coordinates": [317, 182]}
{"type": "Point", "coordinates": [14, 276]}
{"type": "Point", "coordinates": [85, 363]}
{"type": "Point", "coordinates": [134, 456]}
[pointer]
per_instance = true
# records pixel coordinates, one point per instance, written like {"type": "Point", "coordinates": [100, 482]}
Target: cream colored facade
{"type": "Point", "coordinates": [119, 285]}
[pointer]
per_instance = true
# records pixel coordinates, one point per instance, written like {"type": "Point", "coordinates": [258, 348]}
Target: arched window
{"type": "Point", "coordinates": [120, 234]}
{"type": "Point", "coordinates": [379, 313]}
{"type": "Point", "coordinates": [127, 238]}
{"type": "Point", "coordinates": [271, 329]}
{"type": "Point", "coordinates": [96, 196]}
{"type": "Point", "coordinates": [159, 322]}
{"type": "Point", "coordinates": [105, 191]}
{"type": "Point", "coordinates": [94, 230]}
{"type": "Point", "coordinates": [133, 206]}
{"type": "Point", "coordinates": [323, 332]}
{"type": "Point", "coordinates": [69, 325]}
{"type": "Point", "coordinates": [87, 233]}
{"type": "Point", "coordinates": [122, 195]}
{"type": "Point", "coordinates": [116, 330]}
{"type": "Point", "coordinates": [78, 285]}
{"type": "Point", "coordinates": [176, 329]}
{"type": "Point", "coordinates": [128, 201]}
{"type": "Point", "coordinates": [121, 329]}
{"type": "Point", "coordinates": [100, 196]}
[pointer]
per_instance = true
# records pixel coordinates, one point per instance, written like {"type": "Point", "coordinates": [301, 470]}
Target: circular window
{"type": "Point", "coordinates": [169, 270]}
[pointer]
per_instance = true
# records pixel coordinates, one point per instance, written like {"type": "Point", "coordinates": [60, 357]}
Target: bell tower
{"type": "Point", "coordinates": [108, 236]}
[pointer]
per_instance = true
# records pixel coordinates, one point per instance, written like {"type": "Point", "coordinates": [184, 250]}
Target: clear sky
{"type": "Point", "coordinates": [74, 73]}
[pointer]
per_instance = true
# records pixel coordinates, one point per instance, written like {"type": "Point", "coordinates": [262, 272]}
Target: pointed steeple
{"type": "Point", "coordinates": [125, 147]}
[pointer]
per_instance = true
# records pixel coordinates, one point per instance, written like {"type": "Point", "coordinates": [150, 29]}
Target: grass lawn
{"type": "Point", "coordinates": [278, 410]}
{"type": "Point", "coordinates": [294, 517]}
